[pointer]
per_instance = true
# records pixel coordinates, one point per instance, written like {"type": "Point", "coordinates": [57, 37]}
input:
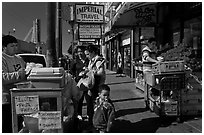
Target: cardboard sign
{"type": "Point", "coordinates": [49, 120]}
{"type": "Point", "coordinates": [90, 13]}
{"type": "Point", "coordinates": [27, 104]}
{"type": "Point", "coordinates": [89, 31]}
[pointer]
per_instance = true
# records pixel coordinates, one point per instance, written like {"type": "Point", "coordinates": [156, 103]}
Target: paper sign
{"type": "Point", "coordinates": [89, 31]}
{"type": "Point", "coordinates": [26, 104]}
{"type": "Point", "coordinates": [49, 120]}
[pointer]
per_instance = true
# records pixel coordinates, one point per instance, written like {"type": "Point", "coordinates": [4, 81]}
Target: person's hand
{"type": "Point", "coordinates": [81, 73]}
{"type": "Point", "coordinates": [160, 59]}
{"type": "Point", "coordinates": [89, 93]}
{"type": "Point", "coordinates": [22, 72]}
{"type": "Point", "coordinates": [28, 70]}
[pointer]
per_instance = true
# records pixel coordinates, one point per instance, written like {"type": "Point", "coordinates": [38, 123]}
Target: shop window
{"type": "Point", "coordinates": [193, 34]}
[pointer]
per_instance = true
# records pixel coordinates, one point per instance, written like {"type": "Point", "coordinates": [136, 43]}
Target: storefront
{"type": "Point", "coordinates": [126, 53]}
{"type": "Point", "coordinates": [170, 23]}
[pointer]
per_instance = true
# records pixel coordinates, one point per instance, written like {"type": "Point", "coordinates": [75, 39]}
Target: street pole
{"type": "Point", "coordinates": [71, 22]}
{"type": "Point", "coordinates": [51, 48]}
{"type": "Point", "coordinates": [59, 32]}
{"type": "Point", "coordinates": [72, 25]}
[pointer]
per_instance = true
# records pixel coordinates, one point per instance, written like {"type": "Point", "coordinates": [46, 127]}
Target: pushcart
{"type": "Point", "coordinates": [163, 89]}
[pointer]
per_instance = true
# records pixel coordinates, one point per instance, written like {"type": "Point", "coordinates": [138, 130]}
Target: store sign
{"type": "Point", "coordinates": [89, 31]}
{"type": "Point", "coordinates": [87, 40]}
{"type": "Point", "coordinates": [145, 15]}
{"type": "Point", "coordinates": [26, 104]}
{"type": "Point", "coordinates": [90, 13]}
{"type": "Point", "coordinates": [49, 120]}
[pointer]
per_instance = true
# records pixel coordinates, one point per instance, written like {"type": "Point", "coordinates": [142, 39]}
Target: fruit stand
{"type": "Point", "coordinates": [163, 86]}
{"type": "Point", "coordinates": [172, 87]}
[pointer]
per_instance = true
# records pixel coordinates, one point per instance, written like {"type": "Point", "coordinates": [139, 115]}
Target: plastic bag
{"type": "Point", "coordinates": [87, 82]}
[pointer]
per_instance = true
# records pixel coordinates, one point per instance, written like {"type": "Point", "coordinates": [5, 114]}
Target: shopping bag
{"type": "Point", "coordinates": [87, 82]}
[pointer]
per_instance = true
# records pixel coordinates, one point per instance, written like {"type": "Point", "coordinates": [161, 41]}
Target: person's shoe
{"type": "Point", "coordinates": [79, 117]}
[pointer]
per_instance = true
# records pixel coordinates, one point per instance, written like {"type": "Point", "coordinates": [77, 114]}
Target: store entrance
{"type": "Point", "coordinates": [127, 60]}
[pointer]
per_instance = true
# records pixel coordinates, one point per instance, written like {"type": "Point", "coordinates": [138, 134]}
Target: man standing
{"type": "Point", "coordinates": [13, 71]}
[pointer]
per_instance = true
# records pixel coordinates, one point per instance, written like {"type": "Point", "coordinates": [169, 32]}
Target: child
{"type": "Point", "coordinates": [104, 111]}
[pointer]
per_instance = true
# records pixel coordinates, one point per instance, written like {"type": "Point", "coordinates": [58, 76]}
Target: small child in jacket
{"type": "Point", "coordinates": [104, 111]}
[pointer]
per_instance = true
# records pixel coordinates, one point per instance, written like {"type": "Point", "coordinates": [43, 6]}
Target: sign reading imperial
{"type": "Point", "coordinates": [90, 13]}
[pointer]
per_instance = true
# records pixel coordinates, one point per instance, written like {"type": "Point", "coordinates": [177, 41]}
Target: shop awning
{"type": "Point", "coordinates": [135, 14]}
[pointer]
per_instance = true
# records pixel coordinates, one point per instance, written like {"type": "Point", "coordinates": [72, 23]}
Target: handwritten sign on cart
{"type": "Point", "coordinates": [26, 104]}
{"type": "Point", "coordinates": [49, 120]}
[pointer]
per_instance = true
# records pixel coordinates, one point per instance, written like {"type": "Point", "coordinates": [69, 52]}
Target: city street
{"type": "Point", "coordinates": [156, 46]}
{"type": "Point", "coordinates": [131, 115]}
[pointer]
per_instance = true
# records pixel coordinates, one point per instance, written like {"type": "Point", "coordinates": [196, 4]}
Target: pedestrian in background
{"type": "Point", "coordinates": [149, 52]}
{"type": "Point", "coordinates": [104, 111]}
{"type": "Point", "coordinates": [80, 64]}
{"type": "Point", "coordinates": [96, 64]}
{"type": "Point", "coordinates": [149, 57]}
{"type": "Point", "coordinates": [13, 70]}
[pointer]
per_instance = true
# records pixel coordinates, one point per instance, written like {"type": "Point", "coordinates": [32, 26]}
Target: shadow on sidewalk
{"type": "Point", "coordinates": [127, 99]}
{"type": "Point", "coordinates": [124, 112]}
{"type": "Point", "coordinates": [120, 82]}
{"type": "Point", "coordinates": [149, 125]}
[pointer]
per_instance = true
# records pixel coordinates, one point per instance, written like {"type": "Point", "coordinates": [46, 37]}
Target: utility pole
{"type": "Point", "coordinates": [51, 48]}
{"type": "Point", "coordinates": [59, 32]}
{"type": "Point", "coordinates": [72, 22]}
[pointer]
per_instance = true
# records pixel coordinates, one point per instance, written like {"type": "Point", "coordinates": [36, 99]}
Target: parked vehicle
{"type": "Point", "coordinates": [35, 58]}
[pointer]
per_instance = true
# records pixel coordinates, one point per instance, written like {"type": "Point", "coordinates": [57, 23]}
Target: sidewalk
{"type": "Point", "coordinates": [131, 114]}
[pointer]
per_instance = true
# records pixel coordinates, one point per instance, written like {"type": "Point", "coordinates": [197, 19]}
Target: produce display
{"type": "Point", "coordinates": [185, 53]}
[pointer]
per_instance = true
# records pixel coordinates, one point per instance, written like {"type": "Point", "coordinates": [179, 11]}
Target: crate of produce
{"type": "Point", "coordinates": [159, 77]}
{"type": "Point", "coordinates": [168, 66]}
{"type": "Point", "coordinates": [172, 83]}
{"type": "Point", "coordinates": [192, 98]}
{"type": "Point", "coordinates": [190, 91]}
{"type": "Point", "coordinates": [47, 77]}
{"type": "Point", "coordinates": [191, 109]}
{"type": "Point", "coordinates": [170, 108]}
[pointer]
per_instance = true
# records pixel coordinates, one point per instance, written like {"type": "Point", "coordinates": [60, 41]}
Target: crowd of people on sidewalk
{"type": "Point", "coordinates": [88, 71]}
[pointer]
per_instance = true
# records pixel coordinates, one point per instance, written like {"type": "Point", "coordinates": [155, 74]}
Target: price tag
{"type": "Point", "coordinates": [49, 120]}
{"type": "Point", "coordinates": [27, 104]}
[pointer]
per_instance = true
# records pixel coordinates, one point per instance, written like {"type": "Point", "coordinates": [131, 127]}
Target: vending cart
{"type": "Point", "coordinates": [37, 103]}
{"type": "Point", "coordinates": [163, 86]}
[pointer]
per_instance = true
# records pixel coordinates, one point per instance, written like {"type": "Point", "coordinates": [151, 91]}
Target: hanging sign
{"type": "Point", "coordinates": [90, 13]}
{"type": "Point", "coordinates": [89, 31]}
{"type": "Point", "coordinates": [26, 104]}
{"type": "Point", "coordinates": [49, 120]}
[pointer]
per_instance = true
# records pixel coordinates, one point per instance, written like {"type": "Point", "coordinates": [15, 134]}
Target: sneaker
{"type": "Point", "coordinates": [79, 117]}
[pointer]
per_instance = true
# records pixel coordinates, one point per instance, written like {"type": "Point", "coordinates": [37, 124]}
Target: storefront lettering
{"type": "Point", "coordinates": [89, 16]}
{"type": "Point", "coordinates": [144, 15]}
{"type": "Point", "coordinates": [90, 13]}
{"type": "Point", "coordinates": [89, 9]}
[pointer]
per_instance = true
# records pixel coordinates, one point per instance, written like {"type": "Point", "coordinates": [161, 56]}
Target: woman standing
{"type": "Point", "coordinates": [96, 64]}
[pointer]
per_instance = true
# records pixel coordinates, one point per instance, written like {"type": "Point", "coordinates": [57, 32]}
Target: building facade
{"type": "Point", "coordinates": [129, 24]}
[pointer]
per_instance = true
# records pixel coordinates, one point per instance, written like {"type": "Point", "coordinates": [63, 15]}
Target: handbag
{"type": "Point", "coordinates": [88, 80]}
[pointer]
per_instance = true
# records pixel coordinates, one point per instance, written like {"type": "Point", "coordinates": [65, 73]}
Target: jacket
{"type": "Point", "coordinates": [104, 115]}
